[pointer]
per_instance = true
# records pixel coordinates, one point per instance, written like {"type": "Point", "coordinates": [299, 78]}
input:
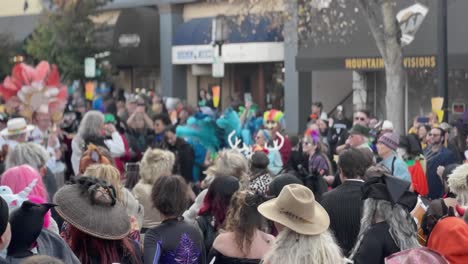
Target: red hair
{"type": "Point", "coordinates": [217, 205]}
{"type": "Point", "coordinates": [86, 247]}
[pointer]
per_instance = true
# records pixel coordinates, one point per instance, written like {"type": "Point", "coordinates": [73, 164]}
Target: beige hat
{"type": "Point", "coordinates": [16, 126]}
{"type": "Point", "coordinates": [296, 208]}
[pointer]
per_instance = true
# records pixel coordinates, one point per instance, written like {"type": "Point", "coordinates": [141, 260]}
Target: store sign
{"type": "Point", "coordinates": [410, 19]}
{"type": "Point", "coordinates": [218, 67]}
{"type": "Point", "coordinates": [90, 67]}
{"type": "Point", "coordinates": [129, 40]}
{"type": "Point", "coordinates": [420, 62]}
{"type": "Point", "coordinates": [232, 53]}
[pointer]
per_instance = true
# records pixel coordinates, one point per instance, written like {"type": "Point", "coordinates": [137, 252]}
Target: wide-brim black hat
{"type": "Point", "coordinates": [390, 188]}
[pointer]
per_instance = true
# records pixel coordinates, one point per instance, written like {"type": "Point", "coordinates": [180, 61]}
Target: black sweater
{"type": "Point", "coordinates": [344, 206]}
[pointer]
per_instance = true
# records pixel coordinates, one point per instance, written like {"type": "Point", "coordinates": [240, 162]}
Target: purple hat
{"type": "Point", "coordinates": [391, 140]}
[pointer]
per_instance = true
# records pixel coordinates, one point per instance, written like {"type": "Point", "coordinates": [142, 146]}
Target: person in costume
{"type": "Point", "coordinates": [273, 120]}
{"type": "Point", "coordinates": [263, 141]}
{"type": "Point", "coordinates": [386, 224]}
{"type": "Point", "coordinates": [99, 234]}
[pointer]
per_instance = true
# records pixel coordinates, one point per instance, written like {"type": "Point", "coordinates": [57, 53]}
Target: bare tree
{"type": "Point", "coordinates": [331, 21]}
{"type": "Point", "coordinates": [387, 39]}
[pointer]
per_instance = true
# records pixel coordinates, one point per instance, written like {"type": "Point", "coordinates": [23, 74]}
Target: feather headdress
{"type": "Point", "coordinates": [35, 89]}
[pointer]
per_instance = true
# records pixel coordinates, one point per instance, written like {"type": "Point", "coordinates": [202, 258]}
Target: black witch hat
{"type": "Point", "coordinates": [26, 224]}
{"type": "Point", "coordinates": [390, 188]}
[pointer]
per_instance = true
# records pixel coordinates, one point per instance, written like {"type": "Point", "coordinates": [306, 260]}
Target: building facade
{"type": "Point", "coordinates": [358, 61]}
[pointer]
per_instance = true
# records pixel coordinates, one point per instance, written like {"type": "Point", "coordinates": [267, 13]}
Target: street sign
{"type": "Point", "coordinates": [410, 19]}
{"type": "Point", "coordinates": [90, 67]}
{"type": "Point", "coordinates": [218, 67]}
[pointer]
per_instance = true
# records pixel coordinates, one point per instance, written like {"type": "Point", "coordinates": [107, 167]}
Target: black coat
{"type": "Point", "coordinates": [185, 159]}
{"type": "Point", "coordinates": [376, 245]}
{"type": "Point", "coordinates": [344, 206]}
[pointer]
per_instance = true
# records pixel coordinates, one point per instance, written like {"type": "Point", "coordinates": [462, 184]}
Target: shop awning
{"type": "Point", "coordinates": [254, 40]}
{"type": "Point", "coordinates": [198, 31]}
{"type": "Point", "coordinates": [136, 38]}
{"type": "Point", "coordinates": [19, 27]}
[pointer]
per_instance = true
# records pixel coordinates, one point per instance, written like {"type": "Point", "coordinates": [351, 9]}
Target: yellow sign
{"type": "Point", "coordinates": [421, 62]}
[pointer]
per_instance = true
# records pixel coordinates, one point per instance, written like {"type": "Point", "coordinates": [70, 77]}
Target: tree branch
{"type": "Point", "coordinates": [371, 17]}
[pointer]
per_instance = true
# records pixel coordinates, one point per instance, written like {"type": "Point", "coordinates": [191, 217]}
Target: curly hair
{"type": "Point", "coordinates": [458, 183]}
{"type": "Point", "coordinates": [29, 153]}
{"type": "Point", "coordinates": [230, 163]}
{"type": "Point", "coordinates": [107, 173]}
{"type": "Point", "coordinates": [169, 195]}
{"type": "Point", "coordinates": [243, 218]}
{"type": "Point", "coordinates": [156, 163]}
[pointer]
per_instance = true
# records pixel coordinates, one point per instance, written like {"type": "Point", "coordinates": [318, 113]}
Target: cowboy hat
{"type": "Point", "coordinates": [296, 208]}
{"type": "Point", "coordinates": [16, 126]}
{"type": "Point", "coordinates": [97, 215]}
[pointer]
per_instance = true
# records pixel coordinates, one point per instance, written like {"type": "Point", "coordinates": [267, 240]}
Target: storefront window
{"type": "Point", "coordinates": [274, 84]}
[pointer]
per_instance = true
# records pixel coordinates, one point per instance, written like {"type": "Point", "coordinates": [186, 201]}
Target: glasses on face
{"type": "Point", "coordinates": [434, 135]}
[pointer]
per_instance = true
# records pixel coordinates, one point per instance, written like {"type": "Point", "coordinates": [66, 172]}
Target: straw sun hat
{"type": "Point", "coordinates": [16, 126]}
{"type": "Point", "coordinates": [296, 208]}
{"type": "Point", "coordinates": [91, 207]}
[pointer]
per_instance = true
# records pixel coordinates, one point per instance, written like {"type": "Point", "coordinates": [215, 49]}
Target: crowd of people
{"type": "Point", "coordinates": [137, 178]}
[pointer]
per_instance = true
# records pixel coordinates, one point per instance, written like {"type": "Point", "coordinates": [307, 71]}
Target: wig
{"type": "Point", "coordinates": [29, 153]}
{"type": "Point", "coordinates": [403, 229]}
{"type": "Point", "coordinates": [18, 178]}
{"type": "Point", "coordinates": [156, 163]}
{"type": "Point", "coordinates": [230, 163]}
{"type": "Point", "coordinates": [458, 183]}
{"type": "Point", "coordinates": [291, 247]}
{"type": "Point", "coordinates": [107, 173]}
{"type": "Point", "coordinates": [87, 247]}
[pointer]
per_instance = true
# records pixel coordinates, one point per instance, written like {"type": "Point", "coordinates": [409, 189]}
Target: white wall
{"type": "Point", "coordinates": [16, 7]}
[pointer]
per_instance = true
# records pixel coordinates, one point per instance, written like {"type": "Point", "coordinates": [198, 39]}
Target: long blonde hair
{"type": "Point", "coordinates": [291, 247]}
{"type": "Point", "coordinates": [107, 173]}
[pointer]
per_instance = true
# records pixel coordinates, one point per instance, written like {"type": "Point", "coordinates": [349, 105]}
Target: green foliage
{"type": "Point", "coordinates": [65, 38]}
{"type": "Point", "coordinates": [7, 51]}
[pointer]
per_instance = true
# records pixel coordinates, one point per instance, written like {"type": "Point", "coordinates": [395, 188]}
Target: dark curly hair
{"type": "Point", "coordinates": [243, 219]}
{"type": "Point", "coordinates": [169, 195]}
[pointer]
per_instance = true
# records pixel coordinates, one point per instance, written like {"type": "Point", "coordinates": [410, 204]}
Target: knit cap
{"type": "Point", "coordinates": [391, 140]}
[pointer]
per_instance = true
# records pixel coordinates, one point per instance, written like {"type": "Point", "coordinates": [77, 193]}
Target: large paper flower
{"type": "Point", "coordinates": [36, 88]}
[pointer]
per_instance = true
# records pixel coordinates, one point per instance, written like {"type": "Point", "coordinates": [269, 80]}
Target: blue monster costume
{"type": "Point", "coordinates": [202, 129]}
{"type": "Point", "coordinates": [229, 122]}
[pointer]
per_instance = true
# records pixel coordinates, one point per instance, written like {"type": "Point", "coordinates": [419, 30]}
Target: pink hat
{"type": "Point", "coordinates": [416, 256]}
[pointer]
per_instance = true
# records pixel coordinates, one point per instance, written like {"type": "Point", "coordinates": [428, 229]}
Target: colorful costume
{"type": "Point", "coordinates": [274, 119]}
{"type": "Point", "coordinates": [28, 89]}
